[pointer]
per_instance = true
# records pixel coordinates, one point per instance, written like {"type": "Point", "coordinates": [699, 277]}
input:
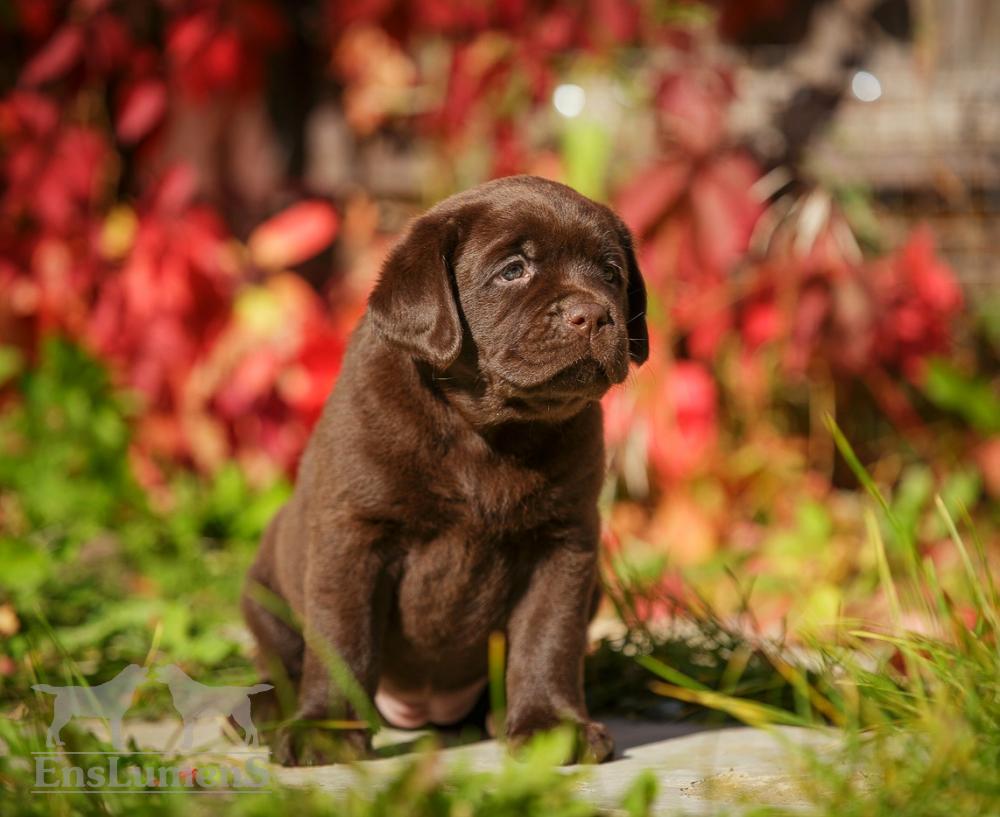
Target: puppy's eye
{"type": "Point", "coordinates": [513, 271]}
{"type": "Point", "coordinates": [610, 274]}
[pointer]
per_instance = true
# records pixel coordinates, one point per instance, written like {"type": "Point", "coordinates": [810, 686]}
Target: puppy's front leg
{"type": "Point", "coordinates": [346, 602]}
{"type": "Point", "coordinates": [547, 636]}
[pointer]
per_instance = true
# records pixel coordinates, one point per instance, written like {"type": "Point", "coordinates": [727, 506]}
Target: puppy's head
{"type": "Point", "coordinates": [525, 293]}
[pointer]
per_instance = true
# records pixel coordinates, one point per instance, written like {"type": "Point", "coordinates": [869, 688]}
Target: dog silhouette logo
{"type": "Point", "coordinates": [109, 700]}
{"type": "Point", "coordinates": [195, 701]}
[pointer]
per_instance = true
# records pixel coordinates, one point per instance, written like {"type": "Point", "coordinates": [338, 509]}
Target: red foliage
{"type": "Point", "coordinates": [918, 298]}
{"type": "Point", "coordinates": [293, 236]}
{"type": "Point", "coordinates": [162, 308]}
{"type": "Point", "coordinates": [220, 47]}
{"type": "Point", "coordinates": [808, 293]}
{"type": "Point", "coordinates": [152, 287]}
{"type": "Point", "coordinates": [262, 385]}
{"type": "Point", "coordinates": [104, 237]}
{"type": "Point", "coordinates": [694, 210]}
{"type": "Point", "coordinates": [684, 421]}
{"type": "Point", "coordinates": [62, 52]}
{"type": "Point", "coordinates": [143, 105]}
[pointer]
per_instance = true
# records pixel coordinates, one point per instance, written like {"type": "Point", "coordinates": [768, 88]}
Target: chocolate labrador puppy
{"type": "Point", "coordinates": [450, 488]}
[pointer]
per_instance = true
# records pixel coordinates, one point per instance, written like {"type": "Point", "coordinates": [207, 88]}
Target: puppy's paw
{"type": "Point", "coordinates": [592, 743]}
{"type": "Point", "coordinates": [300, 744]}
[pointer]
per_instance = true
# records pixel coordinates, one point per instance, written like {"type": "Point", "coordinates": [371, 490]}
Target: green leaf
{"type": "Point", "coordinates": [25, 567]}
{"type": "Point", "coordinates": [641, 795]}
{"type": "Point", "coordinates": [11, 362]}
{"type": "Point", "coordinates": [586, 152]}
{"type": "Point", "coordinates": [971, 397]}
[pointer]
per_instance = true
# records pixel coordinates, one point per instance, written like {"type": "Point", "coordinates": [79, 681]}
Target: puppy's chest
{"type": "Point", "coordinates": [461, 573]}
{"type": "Point", "coordinates": [497, 494]}
{"type": "Point", "coordinates": [490, 519]}
{"type": "Point", "coordinates": [453, 590]}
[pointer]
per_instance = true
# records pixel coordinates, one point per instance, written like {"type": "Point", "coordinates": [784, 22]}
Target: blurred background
{"type": "Point", "coordinates": [196, 197]}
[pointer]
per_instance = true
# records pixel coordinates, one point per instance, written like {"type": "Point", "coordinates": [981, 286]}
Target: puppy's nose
{"type": "Point", "coordinates": [587, 318]}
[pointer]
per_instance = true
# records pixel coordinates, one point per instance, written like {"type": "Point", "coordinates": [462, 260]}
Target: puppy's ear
{"type": "Point", "coordinates": [638, 333]}
{"type": "Point", "coordinates": [413, 304]}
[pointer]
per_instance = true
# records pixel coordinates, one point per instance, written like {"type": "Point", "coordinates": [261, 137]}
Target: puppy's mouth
{"type": "Point", "coordinates": [583, 380]}
{"type": "Point", "coordinates": [583, 377]}
{"type": "Point", "coordinates": [574, 368]}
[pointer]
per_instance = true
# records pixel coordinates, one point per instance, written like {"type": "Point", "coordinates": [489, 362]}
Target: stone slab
{"type": "Point", "coordinates": [701, 771]}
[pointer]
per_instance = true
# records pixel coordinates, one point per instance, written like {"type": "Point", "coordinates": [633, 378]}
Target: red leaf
{"type": "Point", "coordinates": [294, 235]}
{"type": "Point", "coordinates": [987, 456]}
{"type": "Point", "coordinates": [175, 190]}
{"type": "Point", "coordinates": [646, 200]}
{"type": "Point", "coordinates": [556, 30]}
{"type": "Point", "coordinates": [142, 108]}
{"type": "Point", "coordinates": [27, 114]}
{"type": "Point", "coordinates": [762, 323]}
{"type": "Point", "coordinates": [188, 36]}
{"type": "Point", "coordinates": [932, 279]}
{"type": "Point", "coordinates": [725, 210]}
{"type": "Point", "coordinates": [264, 22]}
{"type": "Point", "coordinates": [685, 420]}
{"type": "Point", "coordinates": [693, 110]}
{"type": "Point", "coordinates": [36, 18]}
{"type": "Point", "coordinates": [110, 45]}
{"type": "Point", "coordinates": [613, 21]}
{"type": "Point", "coordinates": [56, 58]}
{"type": "Point", "coordinates": [223, 60]}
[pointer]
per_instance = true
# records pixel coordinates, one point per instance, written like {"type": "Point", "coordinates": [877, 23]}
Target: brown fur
{"type": "Point", "coordinates": [450, 488]}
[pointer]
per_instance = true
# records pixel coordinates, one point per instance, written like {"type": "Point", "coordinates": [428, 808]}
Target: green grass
{"type": "Point", "coordinates": [532, 786]}
{"type": "Point", "coordinates": [98, 577]}
{"type": "Point", "coordinates": [919, 712]}
{"type": "Point", "coordinates": [96, 571]}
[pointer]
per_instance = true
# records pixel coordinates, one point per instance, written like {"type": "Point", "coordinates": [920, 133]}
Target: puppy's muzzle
{"type": "Point", "coordinates": [587, 318]}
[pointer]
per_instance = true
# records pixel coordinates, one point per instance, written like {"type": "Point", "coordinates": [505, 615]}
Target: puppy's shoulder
{"type": "Point", "coordinates": [379, 421]}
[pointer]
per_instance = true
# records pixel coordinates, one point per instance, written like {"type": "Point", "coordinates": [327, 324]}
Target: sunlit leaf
{"type": "Point", "coordinates": [57, 57]}
{"type": "Point", "coordinates": [294, 235]}
{"type": "Point", "coordinates": [141, 110]}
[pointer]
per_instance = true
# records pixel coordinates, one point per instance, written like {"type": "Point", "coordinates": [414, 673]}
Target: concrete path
{"type": "Point", "coordinates": [701, 771]}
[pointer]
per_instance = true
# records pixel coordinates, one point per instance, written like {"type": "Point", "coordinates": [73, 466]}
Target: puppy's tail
{"type": "Point", "coordinates": [258, 688]}
{"type": "Point", "coordinates": [46, 688]}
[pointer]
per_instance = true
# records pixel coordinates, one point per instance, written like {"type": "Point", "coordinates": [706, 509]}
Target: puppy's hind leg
{"type": "Point", "coordinates": [280, 648]}
{"type": "Point", "coordinates": [266, 611]}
